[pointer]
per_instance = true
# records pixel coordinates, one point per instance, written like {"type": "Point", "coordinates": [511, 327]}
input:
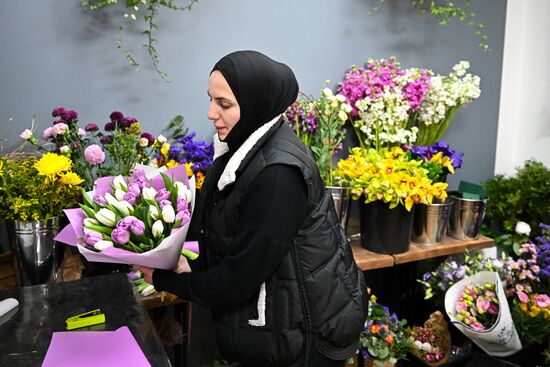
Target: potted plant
{"type": "Point", "coordinates": [33, 194]}
{"type": "Point", "coordinates": [389, 183]}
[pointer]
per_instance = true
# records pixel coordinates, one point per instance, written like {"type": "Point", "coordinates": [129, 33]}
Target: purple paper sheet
{"type": "Point", "coordinates": [95, 348]}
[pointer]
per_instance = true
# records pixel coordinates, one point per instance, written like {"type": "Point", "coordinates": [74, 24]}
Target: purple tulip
{"type": "Point", "coordinates": [162, 194]}
{"type": "Point", "coordinates": [116, 116]}
{"type": "Point", "coordinates": [137, 227]}
{"type": "Point", "coordinates": [91, 127]}
{"type": "Point", "coordinates": [126, 222]}
{"type": "Point", "coordinates": [130, 198]}
{"type": "Point", "coordinates": [92, 237]}
{"type": "Point", "coordinates": [184, 215]}
{"type": "Point", "coordinates": [100, 200]}
{"type": "Point", "coordinates": [142, 182]}
{"type": "Point", "coordinates": [120, 235]}
{"type": "Point", "coordinates": [163, 203]}
{"type": "Point", "coordinates": [181, 204]}
{"type": "Point", "coordinates": [134, 189]}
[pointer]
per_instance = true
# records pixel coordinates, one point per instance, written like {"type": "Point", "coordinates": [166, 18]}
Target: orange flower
{"type": "Point", "coordinates": [389, 339]}
{"type": "Point", "coordinates": [374, 329]}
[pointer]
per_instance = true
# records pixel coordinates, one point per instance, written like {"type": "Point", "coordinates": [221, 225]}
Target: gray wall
{"type": "Point", "coordinates": [53, 54]}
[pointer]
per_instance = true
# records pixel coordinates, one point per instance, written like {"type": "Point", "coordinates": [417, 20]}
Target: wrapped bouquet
{"type": "Point", "coordinates": [142, 219]}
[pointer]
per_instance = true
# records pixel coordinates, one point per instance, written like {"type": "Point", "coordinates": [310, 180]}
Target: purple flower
{"type": "Point", "coordinates": [57, 111]}
{"type": "Point", "coordinates": [126, 222]}
{"type": "Point", "coordinates": [120, 235]}
{"type": "Point", "coordinates": [163, 203]}
{"type": "Point", "coordinates": [110, 126]}
{"type": "Point", "coordinates": [105, 139]}
{"type": "Point", "coordinates": [162, 194]}
{"type": "Point", "coordinates": [48, 133]}
{"type": "Point", "coordinates": [69, 115]}
{"type": "Point", "coordinates": [127, 122]}
{"type": "Point", "coordinates": [60, 121]}
{"type": "Point", "coordinates": [130, 197]}
{"type": "Point", "coordinates": [116, 116]}
{"type": "Point", "coordinates": [91, 127]}
{"type": "Point", "coordinates": [141, 182]}
{"type": "Point", "coordinates": [150, 138]}
{"type": "Point", "coordinates": [137, 227]}
{"type": "Point", "coordinates": [91, 237]}
{"type": "Point", "coordinates": [184, 215]}
{"type": "Point", "coordinates": [134, 189]}
{"type": "Point", "coordinates": [181, 204]}
{"type": "Point", "coordinates": [94, 154]}
{"type": "Point", "coordinates": [100, 200]}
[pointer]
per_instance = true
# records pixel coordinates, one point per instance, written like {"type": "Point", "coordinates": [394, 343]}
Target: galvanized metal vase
{"type": "Point", "coordinates": [38, 254]}
{"type": "Point", "coordinates": [341, 199]}
{"type": "Point", "coordinates": [466, 217]}
{"type": "Point", "coordinates": [431, 221]}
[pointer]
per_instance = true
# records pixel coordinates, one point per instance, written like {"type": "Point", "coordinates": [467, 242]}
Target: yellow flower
{"type": "Point", "coordinates": [52, 164]}
{"type": "Point", "coordinates": [70, 178]}
{"type": "Point", "coordinates": [1, 168]}
{"type": "Point", "coordinates": [171, 164]}
{"type": "Point", "coordinates": [188, 169]}
{"type": "Point", "coordinates": [200, 180]}
{"type": "Point", "coordinates": [164, 149]}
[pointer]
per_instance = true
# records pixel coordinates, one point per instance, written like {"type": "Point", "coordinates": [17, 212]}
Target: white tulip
{"type": "Point", "coordinates": [92, 232]}
{"type": "Point", "coordinates": [90, 222]}
{"type": "Point", "coordinates": [149, 193]}
{"type": "Point", "coordinates": [153, 212]}
{"type": "Point", "coordinates": [119, 183]}
{"type": "Point", "coordinates": [124, 207]}
{"type": "Point", "coordinates": [183, 191]}
{"type": "Point", "coordinates": [111, 200]}
{"type": "Point", "coordinates": [157, 228]}
{"type": "Point", "coordinates": [106, 217]}
{"type": "Point", "coordinates": [119, 194]}
{"type": "Point", "coordinates": [102, 245]}
{"type": "Point", "coordinates": [148, 290]}
{"type": "Point", "coordinates": [523, 228]}
{"type": "Point", "coordinates": [168, 214]}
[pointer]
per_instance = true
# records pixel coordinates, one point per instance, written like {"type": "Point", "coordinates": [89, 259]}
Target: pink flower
{"type": "Point", "coordinates": [94, 155]}
{"type": "Point", "coordinates": [542, 300]}
{"type": "Point", "coordinates": [26, 134]}
{"type": "Point", "coordinates": [60, 129]}
{"type": "Point", "coordinates": [81, 132]}
{"type": "Point", "coordinates": [493, 309]}
{"type": "Point", "coordinates": [460, 307]}
{"type": "Point", "coordinates": [48, 133]}
{"type": "Point", "coordinates": [523, 297]}
{"type": "Point", "coordinates": [482, 305]}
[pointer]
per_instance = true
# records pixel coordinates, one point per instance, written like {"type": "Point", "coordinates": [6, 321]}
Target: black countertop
{"type": "Point", "coordinates": [43, 309]}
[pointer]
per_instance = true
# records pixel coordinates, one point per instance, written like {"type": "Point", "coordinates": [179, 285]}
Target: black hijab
{"type": "Point", "coordinates": [264, 88]}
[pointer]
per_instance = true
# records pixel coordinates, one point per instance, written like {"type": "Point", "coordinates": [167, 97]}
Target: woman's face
{"type": "Point", "coordinates": [224, 110]}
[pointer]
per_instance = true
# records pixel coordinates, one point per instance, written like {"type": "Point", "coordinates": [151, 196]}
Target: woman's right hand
{"type": "Point", "coordinates": [183, 265]}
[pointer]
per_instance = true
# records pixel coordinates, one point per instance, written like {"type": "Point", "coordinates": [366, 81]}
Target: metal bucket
{"type": "Point", "coordinates": [431, 221]}
{"type": "Point", "coordinates": [341, 199]}
{"type": "Point", "coordinates": [38, 255]}
{"type": "Point", "coordinates": [466, 217]}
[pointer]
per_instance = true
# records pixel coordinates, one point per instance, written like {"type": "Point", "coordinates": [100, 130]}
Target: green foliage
{"type": "Point", "coordinates": [175, 129]}
{"type": "Point", "coordinates": [522, 197]}
{"type": "Point", "coordinates": [533, 329]}
{"type": "Point", "coordinates": [151, 8]}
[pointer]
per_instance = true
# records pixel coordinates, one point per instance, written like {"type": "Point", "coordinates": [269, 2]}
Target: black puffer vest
{"type": "Point", "coordinates": [316, 299]}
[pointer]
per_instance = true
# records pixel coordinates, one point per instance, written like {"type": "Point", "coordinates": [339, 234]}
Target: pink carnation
{"type": "Point", "coordinates": [523, 297]}
{"type": "Point", "coordinates": [59, 129]}
{"type": "Point", "coordinates": [94, 155]}
{"type": "Point", "coordinates": [542, 300]}
{"type": "Point", "coordinates": [48, 133]}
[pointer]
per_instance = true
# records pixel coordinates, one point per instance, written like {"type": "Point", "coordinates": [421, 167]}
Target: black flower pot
{"type": "Point", "coordinates": [385, 230]}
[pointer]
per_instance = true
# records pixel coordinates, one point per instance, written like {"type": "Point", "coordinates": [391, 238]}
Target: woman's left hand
{"type": "Point", "coordinates": [147, 273]}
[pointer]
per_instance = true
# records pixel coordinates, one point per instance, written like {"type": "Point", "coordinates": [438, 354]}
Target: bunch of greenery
{"type": "Point", "coordinates": [524, 197]}
{"type": "Point", "coordinates": [32, 189]}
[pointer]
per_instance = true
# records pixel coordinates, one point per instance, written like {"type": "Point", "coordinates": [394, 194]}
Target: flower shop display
{"type": "Point", "coordinates": [389, 182]}
{"type": "Point", "coordinates": [523, 196]}
{"type": "Point", "coordinates": [431, 343]}
{"type": "Point", "coordinates": [197, 156]}
{"type": "Point", "coordinates": [384, 339]}
{"type": "Point", "coordinates": [467, 216]}
{"type": "Point", "coordinates": [94, 153]}
{"type": "Point", "coordinates": [33, 193]}
{"type": "Point", "coordinates": [446, 95]}
{"type": "Point", "coordinates": [439, 159]}
{"type": "Point", "coordinates": [478, 307]}
{"type": "Point", "coordinates": [383, 98]}
{"type": "Point", "coordinates": [139, 220]}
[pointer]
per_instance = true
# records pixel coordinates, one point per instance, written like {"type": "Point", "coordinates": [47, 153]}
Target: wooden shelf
{"type": "Point", "coordinates": [367, 260]}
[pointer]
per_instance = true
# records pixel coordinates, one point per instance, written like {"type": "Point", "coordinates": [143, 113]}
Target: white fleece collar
{"type": "Point", "coordinates": [229, 173]}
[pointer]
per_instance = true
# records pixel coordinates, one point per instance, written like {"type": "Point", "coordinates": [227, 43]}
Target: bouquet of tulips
{"type": "Point", "coordinates": [142, 219]}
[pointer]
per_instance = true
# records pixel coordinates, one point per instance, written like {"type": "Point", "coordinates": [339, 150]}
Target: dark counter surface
{"type": "Point", "coordinates": [25, 334]}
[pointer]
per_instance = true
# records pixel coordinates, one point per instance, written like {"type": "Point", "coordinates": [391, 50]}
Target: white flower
{"type": "Point", "coordinates": [342, 115]}
{"type": "Point", "coordinates": [143, 142]}
{"type": "Point", "coordinates": [92, 232]}
{"type": "Point", "coordinates": [183, 191]}
{"type": "Point", "coordinates": [90, 222]}
{"type": "Point", "coordinates": [149, 193]}
{"type": "Point", "coordinates": [161, 139]}
{"type": "Point", "coordinates": [64, 149]}
{"type": "Point", "coordinates": [327, 92]}
{"type": "Point", "coordinates": [426, 347]}
{"type": "Point", "coordinates": [523, 228]}
{"type": "Point", "coordinates": [111, 200]}
{"type": "Point", "coordinates": [157, 228]}
{"type": "Point", "coordinates": [26, 134]}
{"type": "Point", "coordinates": [106, 217]}
{"type": "Point", "coordinates": [120, 183]}
{"type": "Point", "coordinates": [119, 194]}
{"type": "Point", "coordinates": [168, 214]}
{"type": "Point", "coordinates": [148, 290]}
{"type": "Point", "coordinates": [102, 245]}
{"type": "Point", "coordinates": [81, 131]}
{"type": "Point", "coordinates": [418, 344]}
{"type": "Point", "coordinates": [124, 207]}
{"type": "Point", "coordinates": [153, 212]}
{"type": "Point", "coordinates": [340, 97]}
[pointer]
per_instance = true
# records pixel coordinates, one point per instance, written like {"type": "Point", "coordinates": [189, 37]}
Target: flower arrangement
{"type": "Point", "coordinates": [443, 99]}
{"type": "Point", "coordinates": [34, 189]}
{"type": "Point", "coordinates": [133, 220]}
{"type": "Point", "coordinates": [384, 338]}
{"type": "Point", "coordinates": [477, 306]}
{"type": "Point", "coordinates": [197, 156]}
{"type": "Point", "coordinates": [439, 159]}
{"type": "Point", "coordinates": [389, 175]}
{"type": "Point", "coordinates": [319, 123]}
{"type": "Point", "coordinates": [94, 153]}
{"type": "Point", "coordinates": [384, 97]}
{"type": "Point", "coordinates": [431, 343]}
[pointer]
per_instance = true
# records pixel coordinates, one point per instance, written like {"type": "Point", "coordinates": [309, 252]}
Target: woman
{"type": "Point", "coordinates": [274, 264]}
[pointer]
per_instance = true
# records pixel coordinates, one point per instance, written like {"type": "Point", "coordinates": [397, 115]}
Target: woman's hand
{"type": "Point", "coordinates": [182, 267]}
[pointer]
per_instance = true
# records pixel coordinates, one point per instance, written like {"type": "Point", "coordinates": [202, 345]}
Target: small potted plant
{"type": "Point", "coordinates": [431, 343]}
{"type": "Point", "coordinates": [389, 183]}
